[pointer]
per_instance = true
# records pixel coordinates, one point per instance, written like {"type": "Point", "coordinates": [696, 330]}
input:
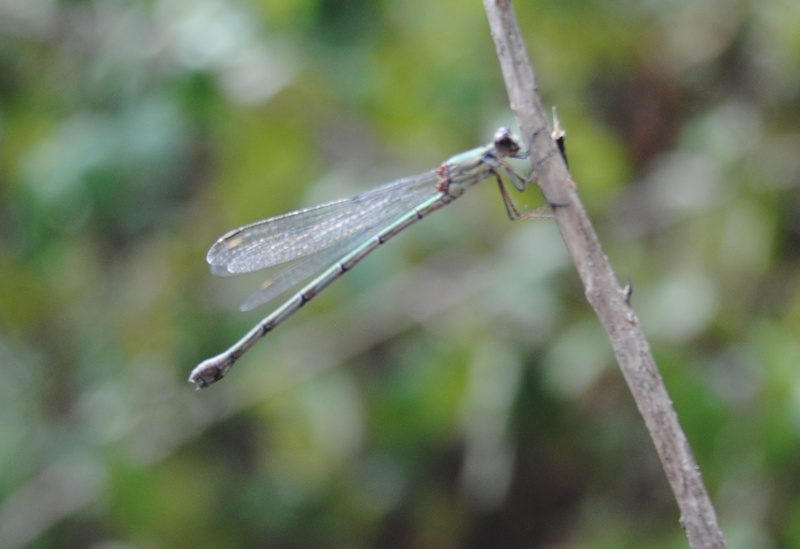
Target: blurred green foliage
{"type": "Point", "coordinates": [455, 390]}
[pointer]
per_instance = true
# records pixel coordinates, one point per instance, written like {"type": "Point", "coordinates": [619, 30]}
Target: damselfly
{"type": "Point", "coordinates": [342, 233]}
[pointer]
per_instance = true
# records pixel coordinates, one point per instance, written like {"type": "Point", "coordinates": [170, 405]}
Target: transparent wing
{"type": "Point", "coordinates": [303, 269]}
{"type": "Point", "coordinates": [313, 238]}
{"type": "Point", "coordinates": [308, 231]}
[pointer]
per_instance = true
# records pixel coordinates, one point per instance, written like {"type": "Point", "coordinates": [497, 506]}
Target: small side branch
{"type": "Point", "coordinates": [610, 302]}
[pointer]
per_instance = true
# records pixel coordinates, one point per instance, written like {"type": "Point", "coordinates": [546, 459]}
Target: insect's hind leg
{"type": "Point", "coordinates": [513, 210]}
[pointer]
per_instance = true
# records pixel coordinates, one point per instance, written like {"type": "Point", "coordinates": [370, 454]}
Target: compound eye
{"type": "Point", "coordinates": [505, 142]}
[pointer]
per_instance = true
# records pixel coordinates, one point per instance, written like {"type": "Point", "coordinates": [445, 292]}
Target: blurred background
{"type": "Point", "coordinates": [455, 389]}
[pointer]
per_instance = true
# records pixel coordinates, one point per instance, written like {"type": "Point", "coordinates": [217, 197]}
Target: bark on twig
{"type": "Point", "coordinates": [603, 292]}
